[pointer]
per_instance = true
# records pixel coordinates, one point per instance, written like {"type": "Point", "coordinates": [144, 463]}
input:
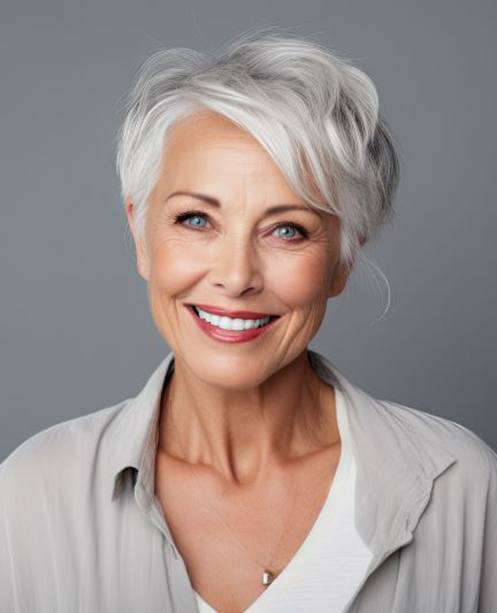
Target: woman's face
{"type": "Point", "coordinates": [233, 255]}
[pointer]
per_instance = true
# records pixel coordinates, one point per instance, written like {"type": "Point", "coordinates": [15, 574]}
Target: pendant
{"type": "Point", "coordinates": [267, 577]}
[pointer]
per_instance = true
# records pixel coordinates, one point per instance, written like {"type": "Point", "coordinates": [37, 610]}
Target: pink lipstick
{"type": "Point", "coordinates": [230, 336]}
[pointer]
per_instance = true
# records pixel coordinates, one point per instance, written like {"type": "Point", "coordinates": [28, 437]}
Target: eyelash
{"type": "Point", "coordinates": [187, 214]}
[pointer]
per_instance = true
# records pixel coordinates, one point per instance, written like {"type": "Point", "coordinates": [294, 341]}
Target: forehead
{"type": "Point", "coordinates": [206, 129]}
{"type": "Point", "coordinates": [207, 147]}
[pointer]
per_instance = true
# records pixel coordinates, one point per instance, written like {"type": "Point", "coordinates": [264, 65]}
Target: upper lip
{"type": "Point", "coordinates": [220, 311]}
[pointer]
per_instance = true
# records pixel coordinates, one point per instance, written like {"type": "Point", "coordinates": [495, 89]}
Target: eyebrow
{"type": "Point", "coordinates": [277, 208]}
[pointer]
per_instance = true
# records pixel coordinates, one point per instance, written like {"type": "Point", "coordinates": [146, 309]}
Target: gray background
{"type": "Point", "coordinates": [76, 334]}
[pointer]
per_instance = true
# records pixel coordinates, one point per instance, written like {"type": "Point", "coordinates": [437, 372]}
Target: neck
{"type": "Point", "coordinates": [242, 434]}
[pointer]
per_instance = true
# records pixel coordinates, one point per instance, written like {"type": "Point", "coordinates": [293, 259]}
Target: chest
{"type": "Point", "coordinates": [227, 544]}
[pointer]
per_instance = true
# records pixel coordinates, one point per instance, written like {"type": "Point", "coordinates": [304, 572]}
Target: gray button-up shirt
{"type": "Point", "coordinates": [81, 529]}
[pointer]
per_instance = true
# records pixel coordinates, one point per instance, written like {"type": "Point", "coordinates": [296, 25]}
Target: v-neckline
{"type": "Point", "coordinates": [337, 481]}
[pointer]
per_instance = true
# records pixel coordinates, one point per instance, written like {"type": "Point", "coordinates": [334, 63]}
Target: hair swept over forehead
{"type": "Point", "coordinates": [315, 113]}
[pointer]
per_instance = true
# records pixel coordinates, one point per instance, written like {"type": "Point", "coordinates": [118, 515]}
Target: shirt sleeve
{"type": "Point", "coordinates": [7, 579]}
{"type": "Point", "coordinates": [488, 575]}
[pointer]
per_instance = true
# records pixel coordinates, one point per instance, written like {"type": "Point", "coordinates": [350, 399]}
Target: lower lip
{"type": "Point", "coordinates": [229, 336]}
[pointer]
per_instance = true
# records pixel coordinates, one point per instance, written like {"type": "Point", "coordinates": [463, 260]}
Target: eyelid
{"type": "Point", "coordinates": [178, 217]}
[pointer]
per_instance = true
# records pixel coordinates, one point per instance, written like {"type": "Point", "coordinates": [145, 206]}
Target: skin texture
{"type": "Point", "coordinates": [239, 408]}
{"type": "Point", "coordinates": [248, 436]}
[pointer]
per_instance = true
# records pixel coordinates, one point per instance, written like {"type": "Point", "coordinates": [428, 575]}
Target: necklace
{"type": "Point", "coordinates": [267, 575]}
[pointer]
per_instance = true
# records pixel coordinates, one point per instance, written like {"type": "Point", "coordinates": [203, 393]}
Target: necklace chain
{"type": "Point", "coordinates": [268, 575]}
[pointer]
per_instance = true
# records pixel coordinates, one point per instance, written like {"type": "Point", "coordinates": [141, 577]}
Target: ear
{"type": "Point", "coordinates": [338, 282]}
{"type": "Point", "coordinates": [341, 274]}
{"type": "Point", "coordinates": [141, 252]}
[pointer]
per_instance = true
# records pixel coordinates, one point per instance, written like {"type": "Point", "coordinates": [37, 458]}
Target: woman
{"type": "Point", "coordinates": [249, 474]}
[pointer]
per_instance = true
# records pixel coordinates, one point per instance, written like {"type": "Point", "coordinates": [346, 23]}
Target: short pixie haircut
{"type": "Point", "coordinates": [314, 113]}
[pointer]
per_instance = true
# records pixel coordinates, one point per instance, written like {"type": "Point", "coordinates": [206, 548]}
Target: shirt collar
{"type": "Point", "coordinates": [134, 434]}
{"type": "Point", "coordinates": [398, 456]}
{"type": "Point", "coordinates": [396, 461]}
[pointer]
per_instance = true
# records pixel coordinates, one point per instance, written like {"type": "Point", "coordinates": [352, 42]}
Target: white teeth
{"type": "Point", "coordinates": [230, 323]}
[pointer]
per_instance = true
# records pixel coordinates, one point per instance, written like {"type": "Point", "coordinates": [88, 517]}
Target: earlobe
{"type": "Point", "coordinates": [337, 285]}
{"type": "Point", "coordinates": [141, 256]}
{"type": "Point", "coordinates": [338, 282]}
{"type": "Point", "coordinates": [141, 261]}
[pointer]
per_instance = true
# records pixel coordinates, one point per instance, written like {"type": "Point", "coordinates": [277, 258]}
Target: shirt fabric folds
{"type": "Point", "coordinates": [330, 563]}
{"type": "Point", "coordinates": [81, 529]}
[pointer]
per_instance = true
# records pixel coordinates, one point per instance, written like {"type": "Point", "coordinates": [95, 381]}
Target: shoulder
{"type": "Point", "coordinates": [476, 460]}
{"type": "Point", "coordinates": [63, 450]}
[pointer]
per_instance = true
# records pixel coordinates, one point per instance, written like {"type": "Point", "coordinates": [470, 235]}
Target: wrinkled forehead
{"type": "Point", "coordinates": [207, 152]}
{"type": "Point", "coordinates": [205, 125]}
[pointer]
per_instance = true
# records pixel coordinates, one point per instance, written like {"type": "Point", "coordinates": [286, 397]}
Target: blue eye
{"type": "Point", "coordinates": [199, 220]}
{"type": "Point", "coordinates": [195, 215]}
{"type": "Point", "coordinates": [293, 229]}
{"type": "Point", "coordinates": [195, 219]}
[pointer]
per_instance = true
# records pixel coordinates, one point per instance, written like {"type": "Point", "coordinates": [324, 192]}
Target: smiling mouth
{"type": "Point", "coordinates": [231, 324]}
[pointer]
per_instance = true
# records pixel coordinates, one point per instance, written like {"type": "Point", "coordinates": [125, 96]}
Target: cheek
{"type": "Point", "coordinates": [303, 278]}
{"type": "Point", "coordinates": [175, 267]}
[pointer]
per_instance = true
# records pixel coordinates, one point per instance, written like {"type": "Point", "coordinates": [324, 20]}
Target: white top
{"type": "Point", "coordinates": [329, 565]}
{"type": "Point", "coordinates": [82, 531]}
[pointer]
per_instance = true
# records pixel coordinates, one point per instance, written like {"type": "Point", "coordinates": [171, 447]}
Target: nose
{"type": "Point", "coordinates": [235, 266]}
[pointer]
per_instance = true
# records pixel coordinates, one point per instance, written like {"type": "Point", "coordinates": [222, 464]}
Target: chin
{"type": "Point", "coordinates": [231, 373]}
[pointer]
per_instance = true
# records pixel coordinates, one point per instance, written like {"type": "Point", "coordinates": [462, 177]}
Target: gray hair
{"type": "Point", "coordinates": [314, 113]}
